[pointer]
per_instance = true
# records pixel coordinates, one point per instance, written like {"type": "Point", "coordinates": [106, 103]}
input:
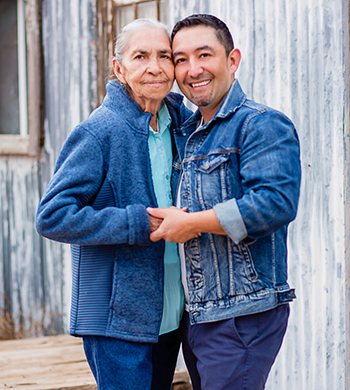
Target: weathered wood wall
{"type": "Point", "coordinates": [36, 273]}
{"type": "Point", "coordinates": [295, 59]}
{"type": "Point", "coordinates": [70, 96]}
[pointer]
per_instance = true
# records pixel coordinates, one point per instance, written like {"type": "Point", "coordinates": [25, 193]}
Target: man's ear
{"type": "Point", "coordinates": [118, 71]}
{"type": "Point", "coordinates": [234, 60]}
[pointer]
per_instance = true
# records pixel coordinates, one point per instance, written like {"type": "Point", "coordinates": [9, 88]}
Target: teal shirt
{"type": "Point", "coordinates": [161, 163]}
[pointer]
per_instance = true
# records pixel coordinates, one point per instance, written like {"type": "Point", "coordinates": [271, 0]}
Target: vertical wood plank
{"type": "Point", "coordinates": [35, 79]}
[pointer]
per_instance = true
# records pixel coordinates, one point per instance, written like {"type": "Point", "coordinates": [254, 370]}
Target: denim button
{"type": "Point", "coordinates": [167, 177]}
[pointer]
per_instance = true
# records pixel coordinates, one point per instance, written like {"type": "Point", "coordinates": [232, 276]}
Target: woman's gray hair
{"type": "Point", "coordinates": [123, 37]}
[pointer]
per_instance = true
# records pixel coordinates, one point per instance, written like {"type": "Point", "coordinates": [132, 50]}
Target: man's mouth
{"type": "Point", "coordinates": [201, 84]}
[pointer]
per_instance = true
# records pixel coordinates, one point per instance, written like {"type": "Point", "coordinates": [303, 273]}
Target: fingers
{"type": "Point", "coordinates": [173, 224]}
{"type": "Point", "coordinates": [155, 236]}
{"type": "Point", "coordinates": [154, 222]}
{"type": "Point", "coordinates": [164, 211]}
{"type": "Point", "coordinates": [158, 213]}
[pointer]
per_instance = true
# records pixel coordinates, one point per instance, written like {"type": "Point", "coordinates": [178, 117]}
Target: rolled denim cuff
{"type": "Point", "coordinates": [231, 220]}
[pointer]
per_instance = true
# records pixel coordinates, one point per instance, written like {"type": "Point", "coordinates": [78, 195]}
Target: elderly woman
{"type": "Point", "coordinates": [127, 297]}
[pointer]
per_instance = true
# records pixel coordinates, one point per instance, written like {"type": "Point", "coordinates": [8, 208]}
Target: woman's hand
{"type": "Point", "coordinates": [154, 222]}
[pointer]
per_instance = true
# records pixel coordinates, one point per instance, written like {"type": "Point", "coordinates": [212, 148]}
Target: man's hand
{"type": "Point", "coordinates": [176, 225]}
{"type": "Point", "coordinates": [154, 223]}
{"type": "Point", "coordinates": [180, 226]}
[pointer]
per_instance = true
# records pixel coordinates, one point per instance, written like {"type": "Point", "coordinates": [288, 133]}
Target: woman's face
{"type": "Point", "coordinates": [147, 66]}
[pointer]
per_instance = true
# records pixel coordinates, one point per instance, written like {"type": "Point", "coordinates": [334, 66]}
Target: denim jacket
{"type": "Point", "coordinates": [245, 164]}
{"type": "Point", "coordinates": [97, 202]}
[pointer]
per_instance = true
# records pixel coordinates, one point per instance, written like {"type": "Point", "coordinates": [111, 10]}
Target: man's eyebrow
{"type": "Point", "coordinates": [204, 47]}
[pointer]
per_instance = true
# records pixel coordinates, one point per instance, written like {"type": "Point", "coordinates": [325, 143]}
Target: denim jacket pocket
{"type": "Point", "coordinates": [212, 184]}
{"type": "Point", "coordinates": [245, 276]}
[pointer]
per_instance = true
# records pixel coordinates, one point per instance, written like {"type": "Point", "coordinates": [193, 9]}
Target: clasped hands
{"type": "Point", "coordinates": [171, 224]}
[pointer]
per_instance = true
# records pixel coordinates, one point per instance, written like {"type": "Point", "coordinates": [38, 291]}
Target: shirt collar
{"type": "Point", "coordinates": [164, 119]}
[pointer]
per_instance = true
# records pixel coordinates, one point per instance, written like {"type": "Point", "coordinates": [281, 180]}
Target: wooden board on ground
{"type": "Point", "coordinates": [50, 363]}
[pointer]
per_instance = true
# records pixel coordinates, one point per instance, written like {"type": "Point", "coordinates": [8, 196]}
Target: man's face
{"type": "Point", "coordinates": [202, 70]}
{"type": "Point", "coordinates": [147, 66]}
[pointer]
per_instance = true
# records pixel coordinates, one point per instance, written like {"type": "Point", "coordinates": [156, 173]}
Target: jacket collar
{"type": "Point", "coordinates": [234, 99]}
{"type": "Point", "coordinates": [118, 101]}
{"type": "Point", "coordinates": [232, 102]}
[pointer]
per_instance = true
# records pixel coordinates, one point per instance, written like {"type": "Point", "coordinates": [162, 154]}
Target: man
{"type": "Point", "coordinates": [239, 173]}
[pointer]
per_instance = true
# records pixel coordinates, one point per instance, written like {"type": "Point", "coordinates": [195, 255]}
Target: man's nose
{"type": "Point", "coordinates": [195, 69]}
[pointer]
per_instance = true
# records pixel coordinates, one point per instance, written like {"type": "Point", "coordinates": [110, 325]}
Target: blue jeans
{"type": "Point", "coordinates": [123, 365]}
{"type": "Point", "coordinates": [234, 354]}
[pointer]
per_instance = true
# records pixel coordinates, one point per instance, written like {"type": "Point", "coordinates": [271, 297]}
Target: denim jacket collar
{"type": "Point", "coordinates": [234, 99]}
{"type": "Point", "coordinates": [232, 102]}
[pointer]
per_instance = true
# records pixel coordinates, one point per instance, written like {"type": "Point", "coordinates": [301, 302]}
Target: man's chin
{"type": "Point", "coordinates": [200, 102]}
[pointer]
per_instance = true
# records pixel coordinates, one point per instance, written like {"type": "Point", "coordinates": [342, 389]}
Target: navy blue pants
{"type": "Point", "coordinates": [234, 354]}
{"type": "Point", "coordinates": [123, 365]}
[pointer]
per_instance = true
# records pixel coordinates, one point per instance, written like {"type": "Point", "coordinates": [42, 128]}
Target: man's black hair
{"type": "Point", "coordinates": [221, 30]}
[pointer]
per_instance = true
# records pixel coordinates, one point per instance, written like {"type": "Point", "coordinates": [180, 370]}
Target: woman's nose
{"type": "Point", "coordinates": [154, 66]}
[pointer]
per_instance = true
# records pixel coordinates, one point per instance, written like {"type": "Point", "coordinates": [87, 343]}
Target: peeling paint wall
{"type": "Point", "coordinates": [295, 59]}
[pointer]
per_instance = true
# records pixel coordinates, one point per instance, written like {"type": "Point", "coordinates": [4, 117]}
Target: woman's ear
{"type": "Point", "coordinates": [118, 70]}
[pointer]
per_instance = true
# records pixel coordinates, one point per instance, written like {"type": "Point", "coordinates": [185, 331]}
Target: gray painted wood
{"type": "Point", "coordinates": [36, 273]}
{"type": "Point", "coordinates": [70, 91]}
